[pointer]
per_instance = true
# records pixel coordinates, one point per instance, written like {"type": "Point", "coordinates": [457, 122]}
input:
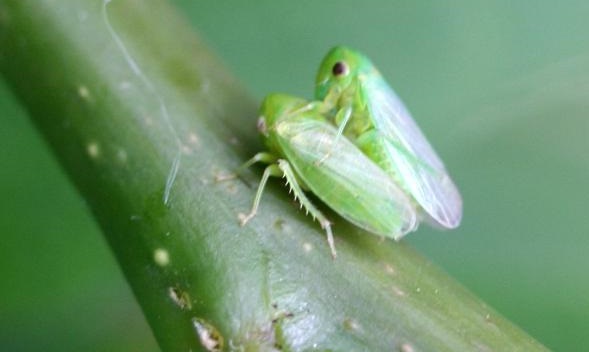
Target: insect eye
{"type": "Point", "coordinates": [262, 125]}
{"type": "Point", "coordinates": [340, 69]}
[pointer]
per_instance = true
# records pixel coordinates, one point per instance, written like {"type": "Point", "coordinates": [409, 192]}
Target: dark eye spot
{"type": "Point", "coordinates": [339, 69]}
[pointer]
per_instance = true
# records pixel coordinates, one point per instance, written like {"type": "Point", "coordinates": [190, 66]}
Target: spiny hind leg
{"type": "Point", "coordinates": [306, 203]}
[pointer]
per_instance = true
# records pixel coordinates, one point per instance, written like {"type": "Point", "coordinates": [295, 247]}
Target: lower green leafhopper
{"type": "Point", "coordinates": [298, 137]}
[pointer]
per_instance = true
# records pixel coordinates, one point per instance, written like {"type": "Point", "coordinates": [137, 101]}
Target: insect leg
{"type": "Point", "coordinates": [306, 203]}
{"type": "Point", "coordinates": [271, 170]}
{"type": "Point", "coordinates": [344, 115]}
{"type": "Point", "coordinates": [263, 157]}
{"type": "Point", "coordinates": [330, 101]}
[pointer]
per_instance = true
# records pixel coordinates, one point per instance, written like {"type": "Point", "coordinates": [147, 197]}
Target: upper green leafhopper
{"type": "Point", "coordinates": [369, 113]}
{"type": "Point", "coordinates": [297, 137]}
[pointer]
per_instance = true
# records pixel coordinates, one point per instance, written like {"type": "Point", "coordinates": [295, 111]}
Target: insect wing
{"type": "Point", "coordinates": [347, 181]}
{"type": "Point", "coordinates": [414, 160]}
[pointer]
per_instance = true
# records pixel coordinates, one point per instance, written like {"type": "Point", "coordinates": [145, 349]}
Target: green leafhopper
{"type": "Point", "coordinates": [369, 113]}
{"type": "Point", "coordinates": [297, 137]}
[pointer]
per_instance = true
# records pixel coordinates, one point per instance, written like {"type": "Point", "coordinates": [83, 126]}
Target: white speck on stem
{"type": "Point", "coordinates": [406, 347]}
{"type": "Point", "coordinates": [398, 291]}
{"type": "Point", "coordinates": [389, 269]}
{"type": "Point", "coordinates": [307, 247]}
{"type": "Point", "coordinates": [161, 257]}
{"type": "Point", "coordinates": [180, 297]}
{"type": "Point", "coordinates": [193, 138]}
{"type": "Point", "coordinates": [352, 325]}
{"type": "Point", "coordinates": [208, 336]}
{"type": "Point", "coordinates": [84, 92]}
{"type": "Point", "coordinates": [93, 150]}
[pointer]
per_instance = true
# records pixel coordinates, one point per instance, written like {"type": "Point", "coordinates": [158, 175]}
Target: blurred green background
{"type": "Point", "coordinates": [500, 88]}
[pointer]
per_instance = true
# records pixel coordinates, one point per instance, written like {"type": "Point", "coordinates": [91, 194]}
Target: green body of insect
{"type": "Point", "coordinates": [297, 137]}
{"type": "Point", "coordinates": [367, 111]}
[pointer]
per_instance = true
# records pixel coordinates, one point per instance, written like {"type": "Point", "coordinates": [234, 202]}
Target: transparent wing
{"type": "Point", "coordinates": [414, 160]}
{"type": "Point", "coordinates": [347, 181]}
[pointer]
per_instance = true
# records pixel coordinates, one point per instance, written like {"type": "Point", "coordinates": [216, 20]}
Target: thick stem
{"type": "Point", "coordinates": [143, 118]}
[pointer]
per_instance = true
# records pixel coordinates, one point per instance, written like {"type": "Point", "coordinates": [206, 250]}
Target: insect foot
{"type": "Point", "coordinates": [244, 219]}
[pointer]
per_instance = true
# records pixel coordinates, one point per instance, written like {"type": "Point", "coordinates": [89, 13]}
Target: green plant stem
{"type": "Point", "coordinates": [143, 118]}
